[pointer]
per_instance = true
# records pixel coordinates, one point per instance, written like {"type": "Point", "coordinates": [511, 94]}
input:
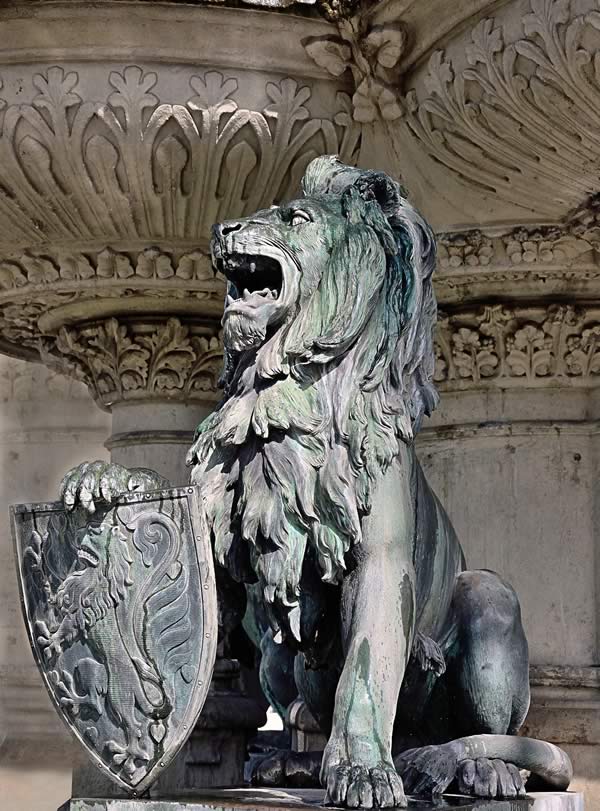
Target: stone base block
{"type": "Point", "coordinates": [304, 799]}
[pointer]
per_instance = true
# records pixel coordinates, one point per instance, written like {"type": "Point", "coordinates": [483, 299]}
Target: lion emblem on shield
{"type": "Point", "coordinates": [415, 667]}
{"type": "Point", "coordinates": [113, 627]}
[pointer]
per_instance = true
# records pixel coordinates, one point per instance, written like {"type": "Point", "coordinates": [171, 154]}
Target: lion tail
{"type": "Point", "coordinates": [546, 761]}
{"type": "Point", "coordinates": [158, 704]}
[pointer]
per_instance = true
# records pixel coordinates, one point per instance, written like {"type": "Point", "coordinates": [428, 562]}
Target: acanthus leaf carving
{"type": "Point", "coordinates": [521, 119]}
{"type": "Point", "coordinates": [122, 361]}
{"type": "Point", "coordinates": [137, 168]}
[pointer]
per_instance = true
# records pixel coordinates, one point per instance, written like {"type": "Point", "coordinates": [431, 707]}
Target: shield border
{"type": "Point", "coordinates": [209, 638]}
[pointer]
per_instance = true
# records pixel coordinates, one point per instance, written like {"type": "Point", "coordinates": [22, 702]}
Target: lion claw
{"type": "Point", "coordinates": [357, 786]}
{"type": "Point", "coordinates": [49, 644]}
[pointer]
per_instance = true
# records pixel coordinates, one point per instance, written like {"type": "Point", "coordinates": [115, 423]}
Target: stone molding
{"type": "Point", "coordinates": [40, 291]}
{"type": "Point", "coordinates": [545, 246]}
{"type": "Point", "coordinates": [140, 361]}
{"type": "Point", "coordinates": [565, 705]}
{"type": "Point", "coordinates": [512, 109]}
{"type": "Point", "coordinates": [536, 261]}
{"type": "Point", "coordinates": [527, 346]}
{"type": "Point", "coordinates": [132, 167]}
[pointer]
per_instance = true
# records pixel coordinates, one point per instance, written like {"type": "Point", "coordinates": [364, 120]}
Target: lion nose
{"type": "Point", "coordinates": [225, 228]}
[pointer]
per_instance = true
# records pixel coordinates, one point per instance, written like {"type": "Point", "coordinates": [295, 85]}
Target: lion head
{"type": "Point", "coordinates": [328, 333]}
{"type": "Point", "coordinates": [99, 576]}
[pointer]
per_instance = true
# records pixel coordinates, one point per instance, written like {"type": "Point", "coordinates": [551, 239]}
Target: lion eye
{"type": "Point", "coordinates": [299, 218]}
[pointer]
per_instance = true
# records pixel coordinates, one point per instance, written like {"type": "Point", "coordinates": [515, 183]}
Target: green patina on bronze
{"type": "Point", "coordinates": [316, 502]}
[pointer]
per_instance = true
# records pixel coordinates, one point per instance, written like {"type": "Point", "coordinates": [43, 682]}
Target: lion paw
{"type": "Point", "coordinates": [428, 770]}
{"type": "Point", "coordinates": [490, 778]}
{"type": "Point", "coordinates": [269, 771]}
{"type": "Point", "coordinates": [49, 642]}
{"type": "Point", "coordinates": [363, 787]}
{"type": "Point", "coordinates": [283, 768]}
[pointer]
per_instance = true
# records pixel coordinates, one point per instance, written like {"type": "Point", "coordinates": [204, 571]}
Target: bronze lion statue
{"type": "Point", "coordinates": [415, 667]}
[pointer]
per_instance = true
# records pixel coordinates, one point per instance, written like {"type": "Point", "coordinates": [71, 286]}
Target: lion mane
{"type": "Point", "coordinates": [314, 417]}
{"type": "Point", "coordinates": [88, 594]}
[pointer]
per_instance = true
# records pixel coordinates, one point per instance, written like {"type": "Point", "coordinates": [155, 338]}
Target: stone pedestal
{"type": "Point", "coordinates": [259, 799]}
{"type": "Point", "coordinates": [305, 733]}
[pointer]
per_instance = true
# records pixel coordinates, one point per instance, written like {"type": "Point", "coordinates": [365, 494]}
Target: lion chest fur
{"type": "Point", "coordinates": [328, 372]}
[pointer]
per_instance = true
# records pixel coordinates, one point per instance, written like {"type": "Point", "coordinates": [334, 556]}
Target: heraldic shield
{"type": "Point", "coordinates": [121, 612]}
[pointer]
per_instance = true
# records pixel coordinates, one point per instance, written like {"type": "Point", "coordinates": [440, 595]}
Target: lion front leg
{"type": "Point", "coordinates": [378, 610]}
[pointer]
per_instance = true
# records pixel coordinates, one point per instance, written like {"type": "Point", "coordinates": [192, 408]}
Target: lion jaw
{"type": "Point", "coordinates": [262, 283]}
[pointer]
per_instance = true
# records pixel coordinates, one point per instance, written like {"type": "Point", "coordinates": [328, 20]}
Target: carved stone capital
{"type": "Point", "coordinates": [125, 361]}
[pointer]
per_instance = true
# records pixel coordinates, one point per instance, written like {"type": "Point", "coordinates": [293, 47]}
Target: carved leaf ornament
{"type": "Point", "coordinates": [522, 119]}
{"type": "Point", "coordinates": [124, 362]}
{"type": "Point", "coordinates": [370, 44]}
{"type": "Point", "coordinates": [134, 168]}
{"type": "Point", "coordinates": [504, 347]}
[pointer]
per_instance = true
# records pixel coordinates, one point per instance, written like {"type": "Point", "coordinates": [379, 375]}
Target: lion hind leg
{"type": "Point", "coordinates": [488, 690]}
{"type": "Point", "coordinates": [489, 670]}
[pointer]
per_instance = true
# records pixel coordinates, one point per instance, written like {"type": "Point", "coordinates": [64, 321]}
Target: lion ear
{"type": "Point", "coordinates": [378, 187]}
{"type": "Point", "coordinates": [328, 175]}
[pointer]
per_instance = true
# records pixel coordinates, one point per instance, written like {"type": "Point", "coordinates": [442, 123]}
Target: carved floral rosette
{"type": "Point", "coordinates": [507, 346]}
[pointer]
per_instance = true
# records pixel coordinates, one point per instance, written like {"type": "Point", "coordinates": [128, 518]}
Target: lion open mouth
{"type": "Point", "coordinates": [254, 279]}
{"type": "Point", "coordinates": [87, 555]}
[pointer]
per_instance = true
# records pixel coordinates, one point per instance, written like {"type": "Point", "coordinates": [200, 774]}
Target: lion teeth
{"type": "Point", "coordinates": [229, 300]}
{"type": "Point", "coordinates": [252, 267]}
{"type": "Point", "coordinates": [246, 293]}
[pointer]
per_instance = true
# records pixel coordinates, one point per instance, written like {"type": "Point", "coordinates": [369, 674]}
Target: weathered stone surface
{"type": "Point", "coordinates": [259, 799]}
